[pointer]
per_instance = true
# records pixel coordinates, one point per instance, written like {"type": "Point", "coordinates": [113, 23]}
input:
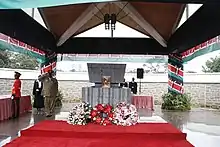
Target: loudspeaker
{"type": "Point", "coordinates": [140, 73]}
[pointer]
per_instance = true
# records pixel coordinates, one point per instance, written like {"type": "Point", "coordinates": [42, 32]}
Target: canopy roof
{"type": "Point", "coordinates": [157, 20]}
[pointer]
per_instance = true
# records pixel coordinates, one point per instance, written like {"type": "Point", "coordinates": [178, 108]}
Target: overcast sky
{"type": "Point", "coordinates": [124, 31]}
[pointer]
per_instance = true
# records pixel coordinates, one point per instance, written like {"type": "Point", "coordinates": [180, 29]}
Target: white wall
{"type": "Point", "coordinates": [188, 77]}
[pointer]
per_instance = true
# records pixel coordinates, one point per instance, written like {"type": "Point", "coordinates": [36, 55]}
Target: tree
{"type": "Point", "coordinates": [16, 60]}
{"type": "Point", "coordinates": [4, 59]}
{"type": "Point", "coordinates": [73, 70]}
{"type": "Point", "coordinates": [212, 65]}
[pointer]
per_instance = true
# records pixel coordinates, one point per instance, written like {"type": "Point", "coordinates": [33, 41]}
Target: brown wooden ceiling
{"type": "Point", "coordinates": [164, 17]}
{"type": "Point", "coordinates": [60, 18]}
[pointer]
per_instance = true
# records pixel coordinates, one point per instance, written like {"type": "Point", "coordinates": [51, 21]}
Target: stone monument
{"type": "Point", "coordinates": [106, 90]}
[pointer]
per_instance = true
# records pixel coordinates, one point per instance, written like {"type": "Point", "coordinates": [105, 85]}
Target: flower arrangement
{"type": "Point", "coordinates": [102, 114]}
{"type": "Point", "coordinates": [80, 114]}
{"type": "Point", "coordinates": [125, 114]}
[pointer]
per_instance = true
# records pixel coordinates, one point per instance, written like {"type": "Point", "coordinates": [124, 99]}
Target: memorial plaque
{"type": "Point", "coordinates": [106, 81]}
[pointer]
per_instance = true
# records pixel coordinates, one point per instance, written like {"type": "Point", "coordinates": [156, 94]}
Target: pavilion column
{"type": "Point", "coordinates": [49, 63]}
{"type": "Point", "coordinates": [175, 73]}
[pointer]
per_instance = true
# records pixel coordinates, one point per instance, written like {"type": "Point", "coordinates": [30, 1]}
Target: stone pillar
{"type": "Point", "coordinates": [49, 63]}
{"type": "Point", "coordinates": [175, 73]}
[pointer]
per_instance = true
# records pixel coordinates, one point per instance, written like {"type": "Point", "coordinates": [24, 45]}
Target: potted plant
{"type": "Point", "coordinates": [176, 101]}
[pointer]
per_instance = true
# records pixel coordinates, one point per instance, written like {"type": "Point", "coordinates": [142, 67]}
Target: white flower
{"type": "Point", "coordinates": [125, 114]}
{"type": "Point", "coordinates": [77, 116]}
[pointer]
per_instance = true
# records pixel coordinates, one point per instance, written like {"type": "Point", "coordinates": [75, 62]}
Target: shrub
{"type": "Point", "coordinates": [175, 101]}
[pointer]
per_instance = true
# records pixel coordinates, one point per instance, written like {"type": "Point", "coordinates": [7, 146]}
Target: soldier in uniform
{"type": "Point", "coordinates": [133, 86]}
{"type": "Point", "coordinates": [50, 91]}
{"type": "Point", "coordinates": [16, 95]}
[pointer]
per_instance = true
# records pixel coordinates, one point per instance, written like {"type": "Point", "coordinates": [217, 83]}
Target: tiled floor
{"type": "Point", "coordinates": [201, 125]}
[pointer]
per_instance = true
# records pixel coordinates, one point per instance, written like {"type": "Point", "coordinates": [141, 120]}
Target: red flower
{"type": "Point", "coordinates": [106, 122]}
{"type": "Point", "coordinates": [102, 114]}
{"type": "Point", "coordinates": [98, 120]}
{"type": "Point", "coordinates": [100, 107]}
{"type": "Point", "coordinates": [93, 113]}
{"type": "Point", "coordinates": [108, 108]}
{"type": "Point", "coordinates": [110, 115]}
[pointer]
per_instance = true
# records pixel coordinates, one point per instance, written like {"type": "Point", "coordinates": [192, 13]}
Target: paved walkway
{"type": "Point", "coordinates": [201, 125]}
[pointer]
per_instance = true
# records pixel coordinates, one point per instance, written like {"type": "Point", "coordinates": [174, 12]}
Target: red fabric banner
{"type": "Point", "coordinates": [49, 67]}
{"type": "Point", "coordinates": [175, 86]}
{"type": "Point", "coordinates": [175, 70]}
{"type": "Point", "coordinates": [200, 46]}
{"type": "Point", "coordinates": [21, 44]}
{"type": "Point", "coordinates": [13, 41]}
{"type": "Point", "coordinates": [4, 37]}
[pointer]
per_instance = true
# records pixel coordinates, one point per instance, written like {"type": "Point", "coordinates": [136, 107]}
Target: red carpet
{"type": "Point", "coordinates": [59, 133]}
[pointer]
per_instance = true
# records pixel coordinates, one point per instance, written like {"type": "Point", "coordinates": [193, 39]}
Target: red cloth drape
{"type": "Point", "coordinates": [6, 106]}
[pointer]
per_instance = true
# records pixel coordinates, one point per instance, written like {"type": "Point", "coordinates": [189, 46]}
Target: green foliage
{"type": "Point", "coordinates": [175, 101]}
{"type": "Point", "coordinates": [212, 65]}
{"type": "Point", "coordinates": [59, 98]}
{"type": "Point", "coordinates": [4, 59]}
{"type": "Point", "coordinates": [17, 61]}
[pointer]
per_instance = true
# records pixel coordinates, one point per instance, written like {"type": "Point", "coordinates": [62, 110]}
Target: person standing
{"type": "Point", "coordinates": [124, 84]}
{"type": "Point", "coordinates": [16, 95]}
{"type": "Point", "coordinates": [133, 86]}
{"type": "Point", "coordinates": [50, 91]}
{"type": "Point", "coordinates": [38, 98]}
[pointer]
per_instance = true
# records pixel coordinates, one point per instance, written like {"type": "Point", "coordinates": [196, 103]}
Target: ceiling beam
{"type": "Point", "coordinates": [100, 45]}
{"type": "Point", "coordinates": [179, 1]}
{"type": "Point", "coordinates": [179, 17]}
{"type": "Point", "coordinates": [200, 27]}
{"type": "Point", "coordinates": [134, 14]}
{"type": "Point", "coordinates": [41, 11]}
{"type": "Point", "coordinates": [19, 25]}
{"type": "Point", "coordinates": [80, 21]}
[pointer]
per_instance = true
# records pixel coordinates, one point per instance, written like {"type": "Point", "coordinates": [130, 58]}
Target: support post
{"type": "Point", "coordinates": [175, 73]}
{"type": "Point", "coordinates": [140, 87]}
{"type": "Point", "coordinates": [112, 33]}
{"type": "Point", "coordinates": [50, 62]}
{"type": "Point", "coordinates": [32, 13]}
{"type": "Point", "coordinates": [187, 11]}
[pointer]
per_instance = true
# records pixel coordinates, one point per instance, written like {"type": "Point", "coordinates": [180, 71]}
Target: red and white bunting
{"type": "Point", "coordinates": [4, 37]}
{"type": "Point", "coordinates": [93, 55]}
{"type": "Point", "coordinates": [200, 47]}
{"type": "Point", "coordinates": [21, 44]}
{"type": "Point", "coordinates": [116, 56]}
{"type": "Point", "coordinates": [104, 55]}
{"type": "Point", "coordinates": [81, 55]}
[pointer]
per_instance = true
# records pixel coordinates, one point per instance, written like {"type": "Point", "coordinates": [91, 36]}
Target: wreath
{"type": "Point", "coordinates": [125, 114]}
{"type": "Point", "coordinates": [80, 114]}
{"type": "Point", "coordinates": [102, 114]}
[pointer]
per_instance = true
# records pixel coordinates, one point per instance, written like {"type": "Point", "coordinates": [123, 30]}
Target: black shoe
{"type": "Point", "coordinates": [49, 115]}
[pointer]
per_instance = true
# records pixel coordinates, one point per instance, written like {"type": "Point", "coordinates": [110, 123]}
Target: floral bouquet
{"type": "Point", "coordinates": [102, 114]}
{"type": "Point", "coordinates": [80, 114]}
{"type": "Point", "coordinates": [125, 114]}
